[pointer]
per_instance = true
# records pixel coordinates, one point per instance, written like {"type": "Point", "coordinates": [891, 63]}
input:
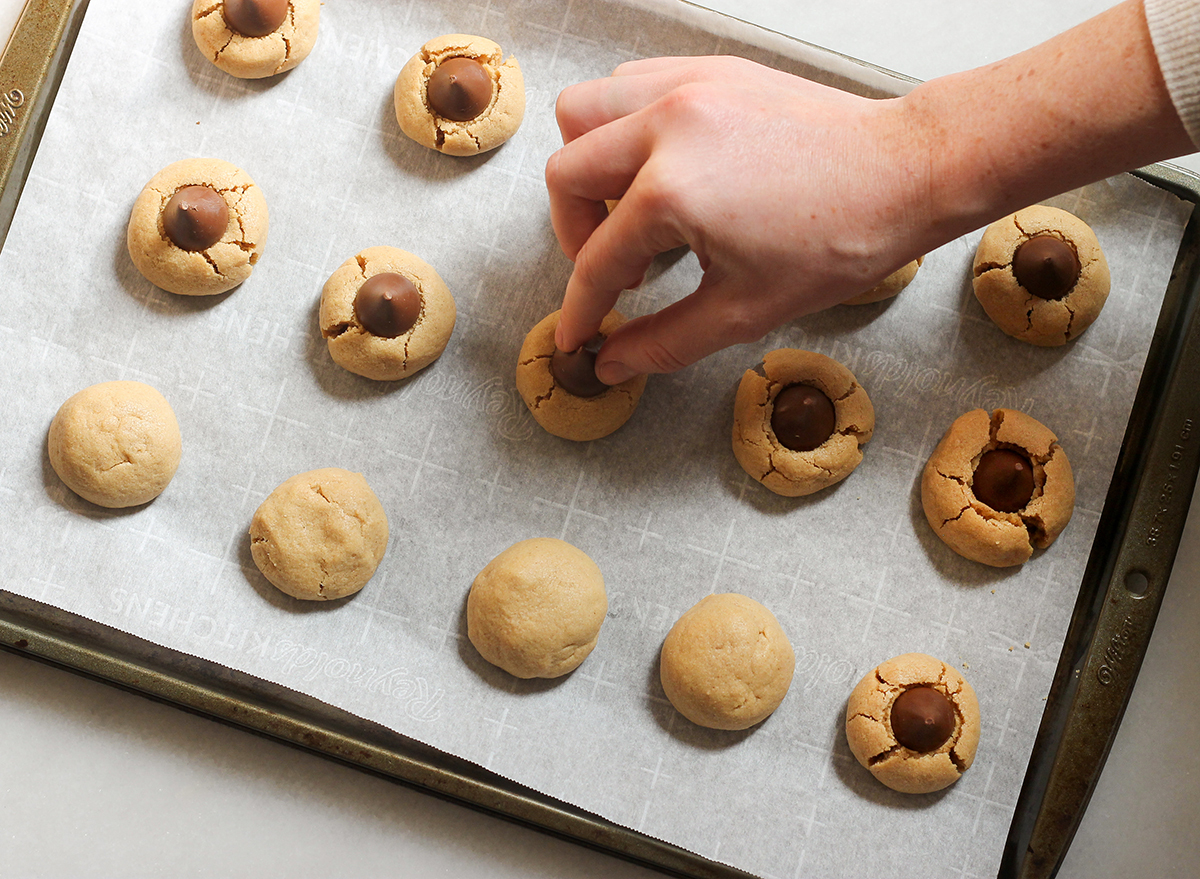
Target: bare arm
{"type": "Point", "coordinates": [795, 196]}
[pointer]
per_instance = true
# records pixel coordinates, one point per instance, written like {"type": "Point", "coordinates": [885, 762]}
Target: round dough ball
{"type": "Point", "coordinates": [492, 127]}
{"type": "Point", "coordinates": [785, 471]}
{"type": "Point", "coordinates": [889, 286]}
{"type": "Point", "coordinates": [320, 535]}
{"type": "Point", "coordinates": [535, 610]}
{"type": "Point", "coordinates": [726, 663]}
{"type": "Point", "coordinates": [255, 57]}
{"type": "Point", "coordinates": [969, 526]}
{"type": "Point", "coordinates": [218, 268]}
{"type": "Point", "coordinates": [559, 412]}
{"type": "Point", "coordinates": [116, 444]}
{"type": "Point", "coordinates": [1021, 314]}
{"type": "Point", "coordinates": [873, 741]}
{"type": "Point", "coordinates": [355, 348]}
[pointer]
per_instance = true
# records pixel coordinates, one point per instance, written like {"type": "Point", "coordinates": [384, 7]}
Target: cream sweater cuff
{"type": "Point", "coordinates": [1175, 33]}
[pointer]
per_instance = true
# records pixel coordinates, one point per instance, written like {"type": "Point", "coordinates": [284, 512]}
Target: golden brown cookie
{"type": "Point", "coordinates": [385, 314]}
{"type": "Point", "coordinates": [889, 286]}
{"type": "Point", "coordinates": [773, 437]}
{"type": "Point", "coordinates": [251, 39]}
{"type": "Point", "coordinates": [198, 227]}
{"type": "Point", "coordinates": [458, 95]}
{"type": "Point", "coordinates": [1040, 275]}
{"type": "Point", "coordinates": [320, 535]}
{"type": "Point", "coordinates": [997, 486]}
{"type": "Point", "coordinates": [726, 663]}
{"type": "Point", "coordinates": [913, 722]}
{"type": "Point", "coordinates": [559, 411]}
{"type": "Point", "coordinates": [535, 610]}
{"type": "Point", "coordinates": [116, 444]}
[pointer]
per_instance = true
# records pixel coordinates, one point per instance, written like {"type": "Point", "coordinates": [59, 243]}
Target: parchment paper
{"type": "Point", "coordinates": [854, 574]}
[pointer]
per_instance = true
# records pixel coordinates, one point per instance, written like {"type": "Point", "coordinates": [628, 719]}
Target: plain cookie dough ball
{"type": "Point", "coordinates": [997, 486]}
{"type": "Point", "coordinates": [726, 663]}
{"type": "Point", "coordinates": [590, 412]}
{"type": "Point", "coordinates": [889, 286]}
{"type": "Point", "coordinates": [320, 535]}
{"type": "Point", "coordinates": [535, 610]}
{"type": "Point", "coordinates": [385, 314]}
{"type": "Point", "coordinates": [251, 39]}
{"type": "Point", "coordinates": [800, 421]}
{"type": "Point", "coordinates": [458, 95]}
{"type": "Point", "coordinates": [116, 444]}
{"type": "Point", "coordinates": [198, 227]}
{"type": "Point", "coordinates": [1040, 275]}
{"type": "Point", "coordinates": [913, 722]}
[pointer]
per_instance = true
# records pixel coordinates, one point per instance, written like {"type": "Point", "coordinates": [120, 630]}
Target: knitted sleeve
{"type": "Point", "coordinates": [1175, 33]}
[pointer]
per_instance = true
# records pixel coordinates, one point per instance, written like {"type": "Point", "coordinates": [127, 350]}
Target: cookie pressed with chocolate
{"type": "Point", "coordinates": [460, 95]}
{"type": "Point", "coordinates": [800, 421]}
{"type": "Point", "coordinates": [726, 663]}
{"type": "Point", "coordinates": [252, 39]}
{"type": "Point", "coordinates": [913, 723]}
{"type": "Point", "coordinates": [198, 227]}
{"type": "Point", "coordinates": [386, 314]}
{"type": "Point", "coordinates": [1041, 276]}
{"type": "Point", "coordinates": [561, 390]}
{"type": "Point", "coordinates": [889, 286]}
{"type": "Point", "coordinates": [998, 486]}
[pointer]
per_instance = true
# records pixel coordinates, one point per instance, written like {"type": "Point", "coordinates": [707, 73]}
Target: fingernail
{"type": "Point", "coordinates": [614, 372]}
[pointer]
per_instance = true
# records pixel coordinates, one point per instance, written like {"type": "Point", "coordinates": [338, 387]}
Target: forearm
{"type": "Point", "coordinates": [1085, 105]}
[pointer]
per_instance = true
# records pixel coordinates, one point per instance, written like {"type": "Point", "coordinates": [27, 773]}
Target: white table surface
{"type": "Point", "coordinates": [98, 782]}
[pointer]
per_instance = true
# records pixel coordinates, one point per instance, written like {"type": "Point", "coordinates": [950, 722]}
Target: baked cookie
{"type": "Point", "coordinates": [913, 722]}
{"type": "Point", "coordinates": [997, 486]}
{"type": "Point", "coordinates": [561, 389]}
{"type": "Point", "coordinates": [535, 610]}
{"type": "Point", "coordinates": [319, 535]}
{"type": "Point", "coordinates": [458, 95]}
{"type": "Point", "coordinates": [1040, 275]}
{"type": "Point", "coordinates": [726, 663]}
{"type": "Point", "coordinates": [800, 421]}
{"type": "Point", "coordinates": [889, 286]}
{"type": "Point", "coordinates": [116, 444]}
{"type": "Point", "coordinates": [198, 227]}
{"type": "Point", "coordinates": [251, 39]}
{"type": "Point", "coordinates": [385, 314]}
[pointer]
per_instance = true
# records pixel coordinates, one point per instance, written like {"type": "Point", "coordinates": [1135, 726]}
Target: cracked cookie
{"type": "Point", "coordinates": [997, 486]}
{"type": "Point", "coordinates": [800, 421]}
{"type": "Point", "coordinates": [1040, 275]}
{"type": "Point", "coordinates": [726, 663]}
{"type": "Point", "coordinates": [535, 610]}
{"type": "Point", "coordinates": [459, 95]}
{"type": "Point", "coordinates": [251, 39]}
{"type": "Point", "coordinates": [319, 535]}
{"type": "Point", "coordinates": [561, 396]}
{"type": "Point", "coordinates": [116, 444]}
{"type": "Point", "coordinates": [913, 722]}
{"type": "Point", "coordinates": [889, 286]}
{"type": "Point", "coordinates": [385, 314]}
{"type": "Point", "coordinates": [198, 227]}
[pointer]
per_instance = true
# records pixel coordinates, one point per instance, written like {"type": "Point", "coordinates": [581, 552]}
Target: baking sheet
{"type": "Point", "coordinates": [854, 574]}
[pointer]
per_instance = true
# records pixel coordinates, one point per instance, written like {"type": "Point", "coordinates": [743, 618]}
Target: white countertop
{"type": "Point", "coordinates": [98, 782]}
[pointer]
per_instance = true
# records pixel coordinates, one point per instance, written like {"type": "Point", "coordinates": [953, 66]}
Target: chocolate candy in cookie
{"type": "Point", "coordinates": [997, 487]}
{"type": "Point", "coordinates": [386, 314]}
{"type": "Point", "coordinates": [459, 95]}
{"type": "Point", "coordinates": [800, 421]}
{"type": "Point", "coordinates": [252, 39]}
{"type": "Point", "coordinates": [198, 227]}
{"type": "Point", "coordinates": [1041, 276]}
{"type": "Point", "coordinates": [913, 723]}
{"type": "Point", "coordinates": [560, 397]}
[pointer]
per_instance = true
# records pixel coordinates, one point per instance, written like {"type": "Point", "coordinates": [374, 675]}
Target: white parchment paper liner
{"type": "Point", "coordinates": [853, 573]}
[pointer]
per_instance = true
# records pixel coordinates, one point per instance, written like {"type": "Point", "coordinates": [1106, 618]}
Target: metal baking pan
{"type": "Point", "coordinates": [1129, 567]}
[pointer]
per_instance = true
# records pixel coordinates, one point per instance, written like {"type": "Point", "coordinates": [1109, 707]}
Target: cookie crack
{"type": "Point", "coordinates": [890, 752]}
{"type": "Point", "coordinates": [338, 329]}
{"type": "Point", "coordinates": [212, 264]}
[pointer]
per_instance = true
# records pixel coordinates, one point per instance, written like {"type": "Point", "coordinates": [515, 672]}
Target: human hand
{"type": "Point", "coordinates": [793, 196]}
